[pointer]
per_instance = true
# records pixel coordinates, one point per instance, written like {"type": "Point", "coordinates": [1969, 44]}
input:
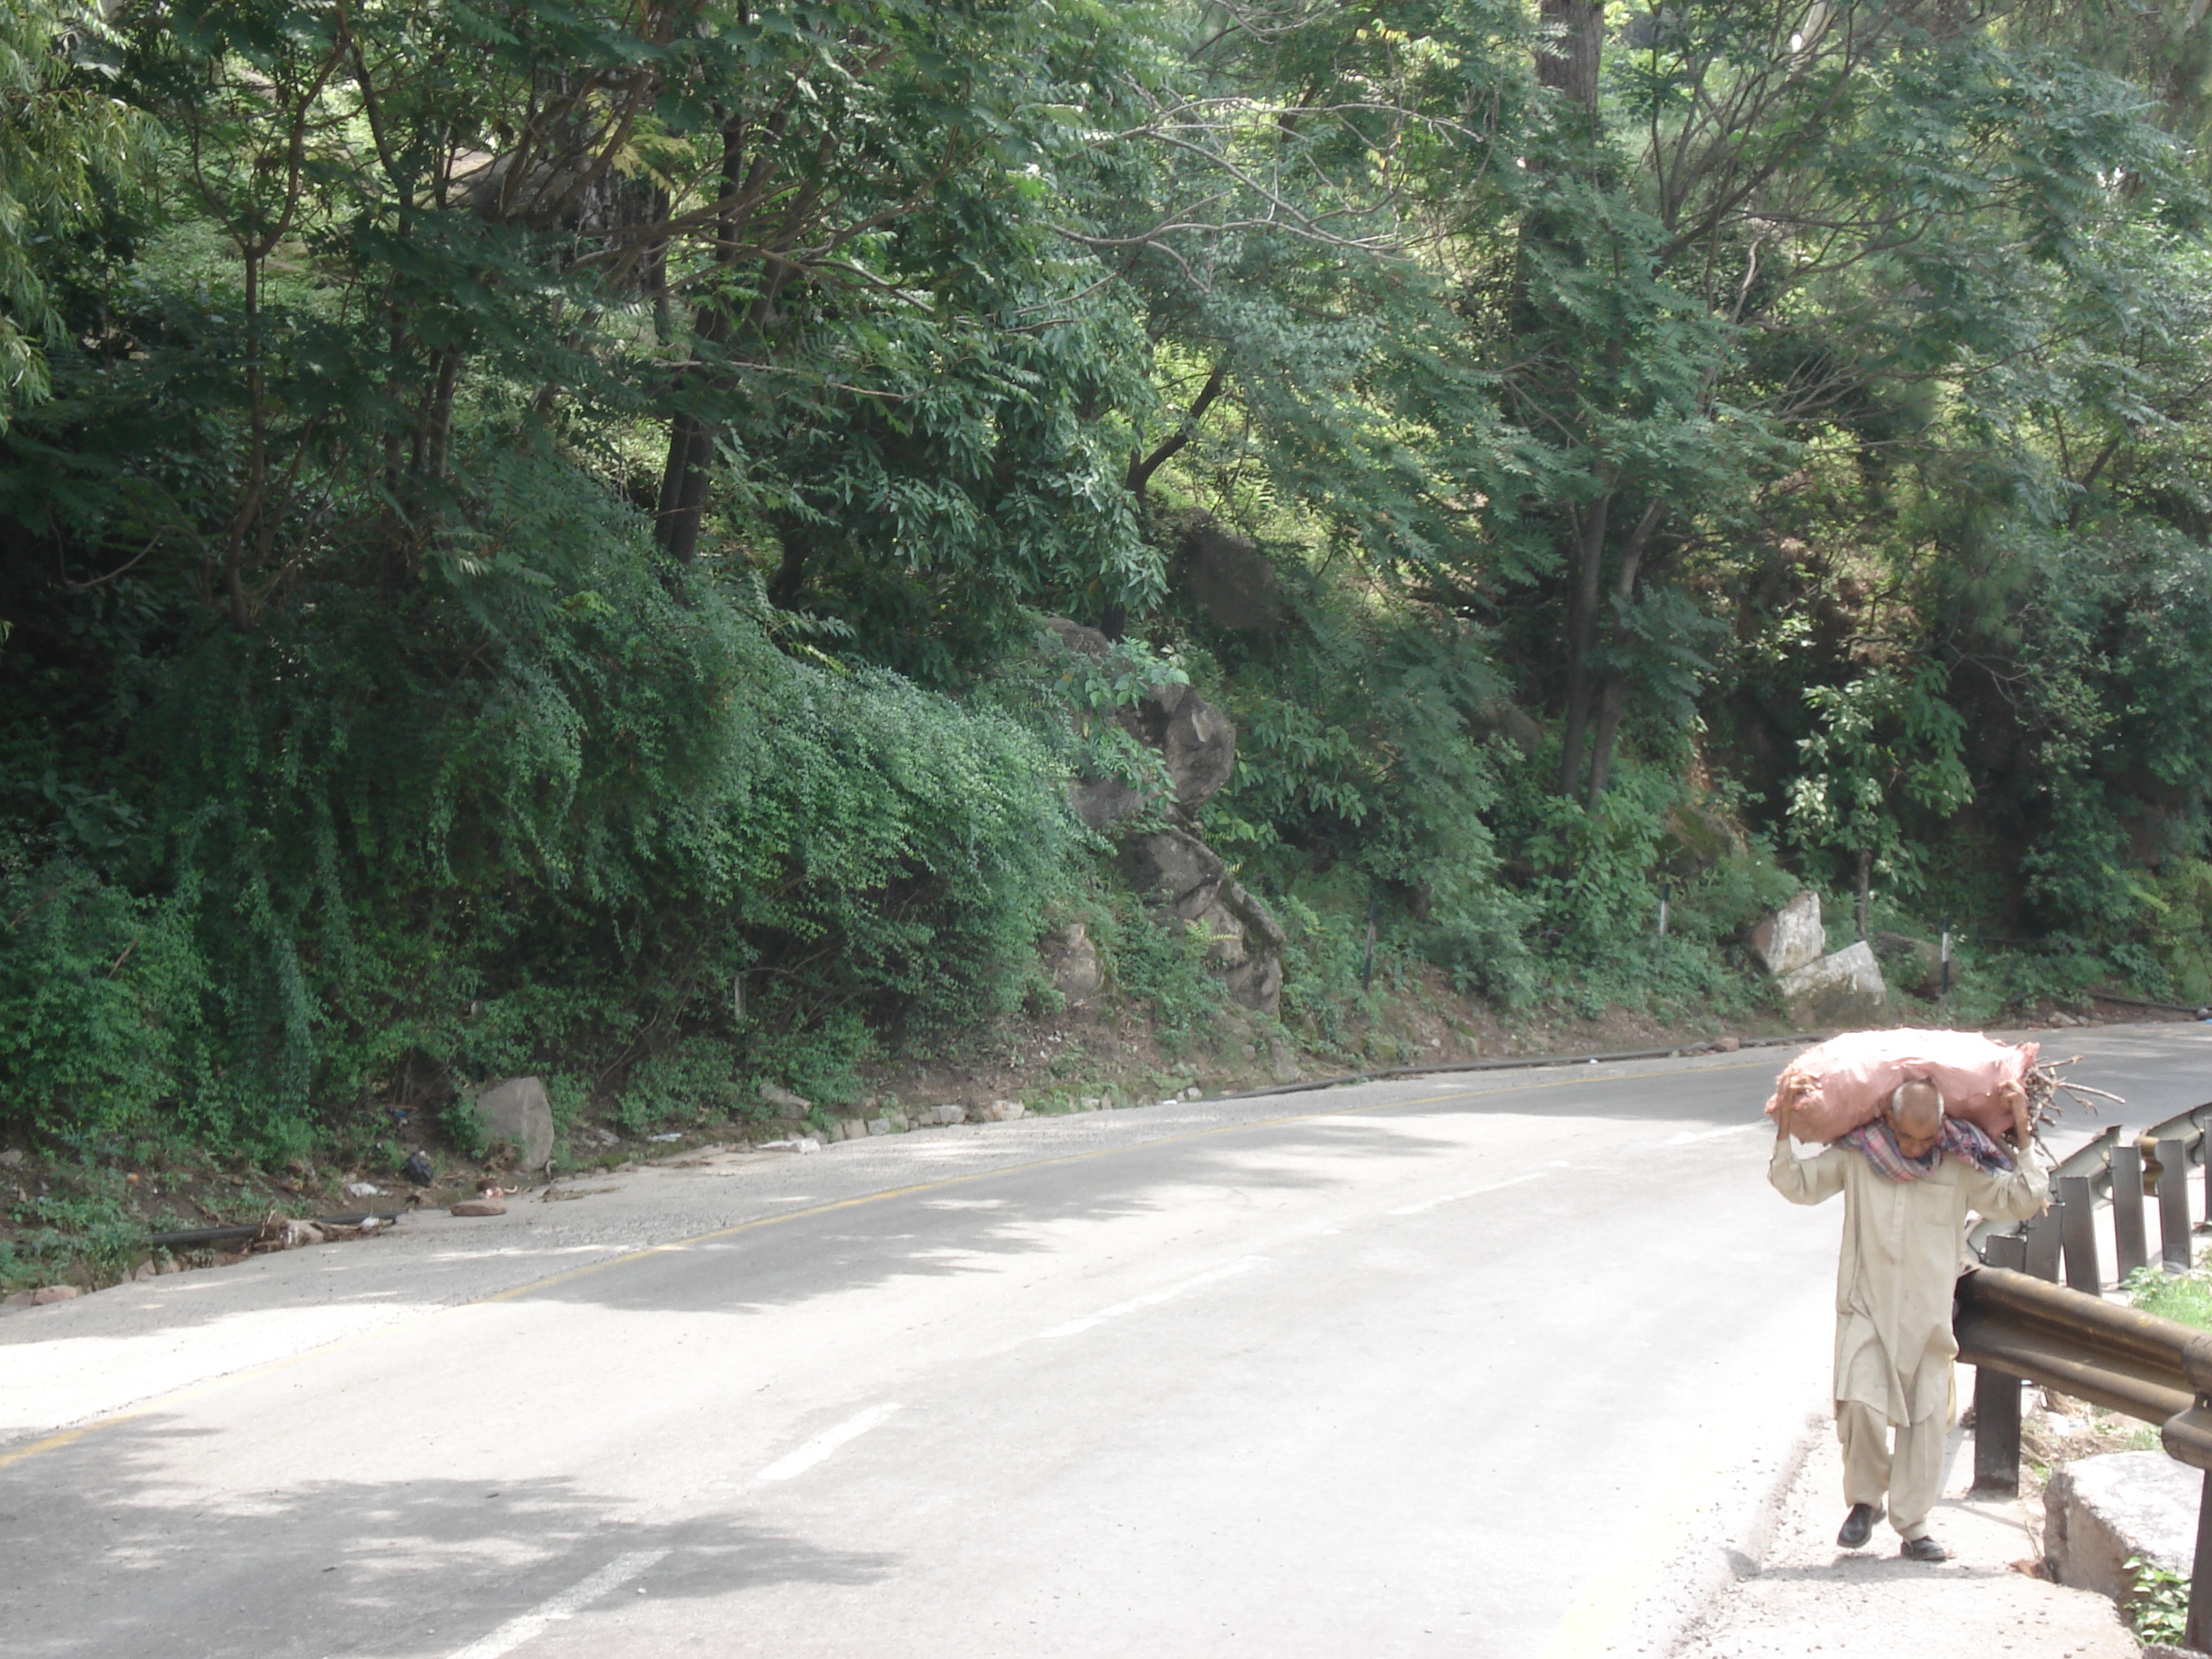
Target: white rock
{"type": "Point", "coordinates": [1792, 938]}
{"type": "Point", "coordinates": [806, 1144]}
{"type": "Point", "coordinates": [363, 1189]}
{"type": "Point", "coordinates": [664, 1140]}
{"type": "Point", "coordinates": [1843, 991]}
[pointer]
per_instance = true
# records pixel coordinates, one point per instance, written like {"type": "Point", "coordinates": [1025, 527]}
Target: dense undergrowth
{"type": "Point", "coordinates": [492, 583]}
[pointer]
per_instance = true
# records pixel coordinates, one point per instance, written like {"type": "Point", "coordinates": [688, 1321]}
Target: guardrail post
{"type": "Point", "coordinates": [2005, 1250]}
{"type": "Point", "coordinates": [2198, 1631]}
{"type": "Point", "coordinates": [2041, 1239]}
{"type": "Point", "coordinates": [1997, 1431]}
{"type": "Point", "coordinates": [2174, 1247]}
{"type": "Point", "coordinates": [2077, 1230]}
{"type": "Point", "coordinates": [2128, 1247]}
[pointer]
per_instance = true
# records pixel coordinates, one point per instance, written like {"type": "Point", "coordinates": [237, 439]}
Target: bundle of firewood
{"type": "Point", "coordinates": [2045, 1082]}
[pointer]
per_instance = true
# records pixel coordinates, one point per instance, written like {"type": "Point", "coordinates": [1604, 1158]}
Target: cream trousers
{"type": "Point", "coordinates": [1913, 1475]}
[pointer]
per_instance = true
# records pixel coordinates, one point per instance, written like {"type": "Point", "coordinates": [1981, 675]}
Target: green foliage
{"type": "Point", "coordinates": [66, 142]}
{"type": "Point", "coordinates": [1161, 964]}
{"type": "Point", "coordinates": [1884, 742]}
{"type": "Point", "coordinates": [2158, 1601]}
{"type": "Point", "coordinates": [101, 1028]}
{"type": "Point", "coordinates": [85, 1220]}
{"type": "Point", "coordinates": [2186, 1298]}
{"type": "Point", "coordinates": [498, 581]}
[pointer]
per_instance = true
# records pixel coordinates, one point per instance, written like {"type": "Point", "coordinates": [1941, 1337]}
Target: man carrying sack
{"type": "Point", "coordinates": [1908, 1178]}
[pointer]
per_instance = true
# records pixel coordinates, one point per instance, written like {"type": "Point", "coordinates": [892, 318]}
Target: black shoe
{"type": "Point", "coordinates": [1858, 1526]}
{"type": "Point", "coordinates": [1923, 1548]}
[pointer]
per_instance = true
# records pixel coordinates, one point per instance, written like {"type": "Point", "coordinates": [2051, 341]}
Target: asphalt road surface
{"type": "Point", "coordinates": [1446, 1365]}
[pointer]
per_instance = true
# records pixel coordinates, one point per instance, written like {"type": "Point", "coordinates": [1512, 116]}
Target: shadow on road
{"type": "Point", "coordinates": [333, 1566]}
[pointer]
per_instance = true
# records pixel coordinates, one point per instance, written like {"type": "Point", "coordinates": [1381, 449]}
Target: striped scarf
{"type": "Point", "coordinates": [1958, 1137]}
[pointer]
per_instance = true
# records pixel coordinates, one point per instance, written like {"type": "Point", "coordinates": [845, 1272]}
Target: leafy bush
{"type": "Point", "coordinates": [2158, 1601]}
{"type": "Point", "coordinates": [504, 832]}
{"type": "Point", "coordinates": [101, 1003]}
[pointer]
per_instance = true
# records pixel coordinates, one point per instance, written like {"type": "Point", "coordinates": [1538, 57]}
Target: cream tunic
{"type": "Point", "coordinates": [1902, 1244]}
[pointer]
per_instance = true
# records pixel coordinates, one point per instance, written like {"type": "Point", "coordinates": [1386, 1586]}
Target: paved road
{"type": "Point", "coordinates": [1439, 1366]}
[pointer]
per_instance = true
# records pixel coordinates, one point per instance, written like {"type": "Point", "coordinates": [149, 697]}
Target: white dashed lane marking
{"type": "Point", "coordinates": [1151, 1299]}
{"type": "Point", "coordinates": [828, 1441]}
{"type": "Point", "coordinates": [1691, 1137]}
{"type": "Point", "coordinates": [515, 1632]}
{"type": "Point", "coordinates": [1457, 1198]}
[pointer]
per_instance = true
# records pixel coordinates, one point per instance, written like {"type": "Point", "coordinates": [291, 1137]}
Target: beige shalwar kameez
{"type": "Point", "coordinates": [1903, 1241]}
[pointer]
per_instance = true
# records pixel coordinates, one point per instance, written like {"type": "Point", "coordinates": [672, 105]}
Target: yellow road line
{"type": "Point", "coordinates": [65, 1437]}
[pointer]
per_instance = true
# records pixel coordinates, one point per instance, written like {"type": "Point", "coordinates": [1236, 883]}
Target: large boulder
{"type": "Point", "coordinates": [1083, 641]}
{"type": "Point", "coordinates": [1698, 838]}
{"type": "Point", "coordinates": [2098, 1512]}
{"type": "Point", "coordinates": [1912, 964]}
{"type": "Point", "coordinates": [1102, 803]}
{"type": "Point", "coordinates": [1232, 580]}
{"type": "Point", "coordinates": [1792, 937]}
{"type": "Point", "coordinates": [1188, 883]}
{"type": "Point", "coordinates": [517, 1112]}
{"type": "Point", "coordinates": [1507, 720]}
{"type": "Point", "coordinates": [1197, 741]}
{"type": "Point", "coordinates": [1071, 961]}
{"type": "Point", "coordinates": [1841, 991]}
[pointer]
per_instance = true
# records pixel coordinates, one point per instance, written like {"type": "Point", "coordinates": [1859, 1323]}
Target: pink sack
{"type": "Point", "coordinates": [1840, 1085]}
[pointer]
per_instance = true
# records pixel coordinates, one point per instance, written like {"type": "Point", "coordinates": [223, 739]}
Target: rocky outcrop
{"type": "Point", "coordinates": [1197, 741]}
{"type": "Point", "coordinates": [1792, 937]}
{"type": "Point", "coordinates": [1186, 880]}
{"type": "Point", "coordinates": [1230, 579]}
{"type": "Point", "coordinates": [1071, 962]}
{"type": "Point", "coordinates": [1698, 838]}
{"type": "Point", "coordinates": [1844, 990]}
{"type": "Point", "coordinates": [1171, 864]}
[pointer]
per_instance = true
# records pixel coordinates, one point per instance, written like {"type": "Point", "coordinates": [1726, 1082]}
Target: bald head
{"type": "Point", "coordinates": [1916, 1117]}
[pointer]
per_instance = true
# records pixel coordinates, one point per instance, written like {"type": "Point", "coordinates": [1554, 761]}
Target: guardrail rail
{"type": "Point", "coordinates": [2017, 1324]}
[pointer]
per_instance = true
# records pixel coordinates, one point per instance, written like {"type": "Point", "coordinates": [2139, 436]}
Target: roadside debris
{"type": "Point", "coordinates": [486, 1202]}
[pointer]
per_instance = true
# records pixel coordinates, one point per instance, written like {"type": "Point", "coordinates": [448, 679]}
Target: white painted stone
{"type": "Point", "coordinates": [1841, 991]}
{"type": "Point", "coordinates": [1792, 938]}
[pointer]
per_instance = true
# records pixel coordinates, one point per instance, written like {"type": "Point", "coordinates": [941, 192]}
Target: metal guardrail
{"type": "Point", "coordinates": [2014, 1326]}
{"type": "Point", "coordinates": [2013, 1323]}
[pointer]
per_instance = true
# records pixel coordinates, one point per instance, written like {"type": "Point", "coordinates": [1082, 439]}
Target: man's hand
{"type": "Point", "coordinates": [1782, 1117]}
{"type": "Point", "coordinates": [2016, 1097]}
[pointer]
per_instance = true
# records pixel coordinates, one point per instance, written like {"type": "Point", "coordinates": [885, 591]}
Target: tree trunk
{"type": "Point", "coordinates": [1609, 703]}
{"type": "Point", "coordinates": [790, 578]}
{"type": "Point", "coordinates": [1614, 696]}
{"type": "Point", "coordinates": [1582, 635]}
{"type": "Point", "coordinates": [1866, 886]}
{"type": "Point", "coordinates": [1570, 62]}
